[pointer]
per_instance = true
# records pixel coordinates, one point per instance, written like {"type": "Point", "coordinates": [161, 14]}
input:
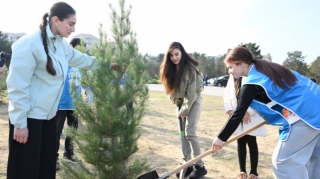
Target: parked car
{"type": "Point", "coordinates": [221, 81]}
{"type": "Point", "coordinates": [209, 82]}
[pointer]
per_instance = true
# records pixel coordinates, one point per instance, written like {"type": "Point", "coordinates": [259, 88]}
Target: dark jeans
{"type": "Point", "coordinates": [253, 150]}
{"type": "Point", "coordinates": [72, 121]}
{"type": "Point", "coordinates": [36, 159]}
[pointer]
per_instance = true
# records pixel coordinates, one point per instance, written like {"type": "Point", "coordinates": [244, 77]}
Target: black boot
{"type": "Point", "coordinates": [198, 172]}
{"type": "Point", "coordinates": [189, 170]}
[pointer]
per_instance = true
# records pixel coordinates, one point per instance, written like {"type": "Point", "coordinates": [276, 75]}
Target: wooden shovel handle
{"type": "Point", "coordinates": [210, 151]}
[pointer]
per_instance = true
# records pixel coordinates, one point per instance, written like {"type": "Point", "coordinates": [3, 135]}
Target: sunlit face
{"type": "Point", "coordinates": [65, 27]}
{"type": "Point", "coordinates": [235, 69]}
{"type": "Point", "coordinates": [175, 56]}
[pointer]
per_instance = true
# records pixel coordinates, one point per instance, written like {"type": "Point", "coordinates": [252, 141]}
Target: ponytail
{"type": "Point", "coordinates": [43, 25]}
{"type": "Point", "coordinates": [279, 74]}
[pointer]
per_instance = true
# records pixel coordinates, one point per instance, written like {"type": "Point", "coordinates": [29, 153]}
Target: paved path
{"type": "Point", "coordinates": [209, 90]}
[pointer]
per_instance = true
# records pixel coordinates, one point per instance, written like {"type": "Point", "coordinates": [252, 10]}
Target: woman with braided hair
{"type": "Point", "coordinates": [36, 79]}
{"type": "Point", "coordinates": [284, 98]}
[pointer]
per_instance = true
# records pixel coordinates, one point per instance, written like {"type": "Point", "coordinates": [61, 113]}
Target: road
{"type": "Point", "coordinates": [209, 90]}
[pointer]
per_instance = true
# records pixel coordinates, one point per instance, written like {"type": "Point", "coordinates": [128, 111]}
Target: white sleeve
{"type": "Point", "coordinates": [228, 96]}
{"type": "Point", "coordinates": [81, 60]}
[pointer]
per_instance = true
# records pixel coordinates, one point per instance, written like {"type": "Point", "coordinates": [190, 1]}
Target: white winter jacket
{"type": "Point", "coordinates": [32, 91]}
{"type": "Point", "coordinates": [230, 103]}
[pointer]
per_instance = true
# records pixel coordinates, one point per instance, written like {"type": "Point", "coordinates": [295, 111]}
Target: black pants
{"type": "Point", "coordinates": [35, 159]}
{"type": "Point", "coordinates": [72, 121]}
{"type": "Point", "coordinates": [253, 150]}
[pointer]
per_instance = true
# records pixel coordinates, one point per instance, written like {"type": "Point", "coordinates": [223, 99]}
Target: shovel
{"type": "Point", "coordinates": [154, 174]}
{"type": "Point", "coordinates": [182, 137]}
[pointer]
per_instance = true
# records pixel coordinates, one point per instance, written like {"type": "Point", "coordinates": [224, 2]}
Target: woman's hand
{"type": "Point", "coordinates": [182, 117]}
{"type": "Point", "coordinates": [21, 135]}
{"type": "Point", "coordinates": [217, 144]}
{"type": "Point", "coordinates": [176, 100]}
{"type": "Point", "coordinates": [229, 112]}
{"type": "Point", "coordinates": [246, 118]}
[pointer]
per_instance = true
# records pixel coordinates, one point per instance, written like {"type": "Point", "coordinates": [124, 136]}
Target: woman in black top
{"type": "Point", "coordinates": [284, 98]}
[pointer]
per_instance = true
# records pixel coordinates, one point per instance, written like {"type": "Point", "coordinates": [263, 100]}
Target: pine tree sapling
{"type": "Point", "coordinates": [108, 137]}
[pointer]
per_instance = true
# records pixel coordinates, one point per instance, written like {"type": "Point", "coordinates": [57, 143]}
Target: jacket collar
{"type": "Point", "coordinates": [51, 36]}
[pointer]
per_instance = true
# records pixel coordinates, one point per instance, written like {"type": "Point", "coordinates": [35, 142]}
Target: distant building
{"type": "Point", "coordinates": [267, 57]}
{"type": "Point", "coordinates": [89, 39]}
{"type": "Point", "coordinates": [12, 37]}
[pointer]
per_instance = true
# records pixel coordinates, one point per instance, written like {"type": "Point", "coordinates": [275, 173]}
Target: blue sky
{"type": "Point", "coordinates": [205, 26]}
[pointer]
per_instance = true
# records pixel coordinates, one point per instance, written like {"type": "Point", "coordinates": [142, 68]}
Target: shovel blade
{"type": "Point", "coordinates": [150, 175]}
{"type": "Point", "coordinates": [182, 173]}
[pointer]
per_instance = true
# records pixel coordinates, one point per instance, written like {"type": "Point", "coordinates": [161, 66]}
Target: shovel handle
{"type": "Point", "coordinates": [180, 120]}
{"type": "Point", "coordinates": [186, 164]}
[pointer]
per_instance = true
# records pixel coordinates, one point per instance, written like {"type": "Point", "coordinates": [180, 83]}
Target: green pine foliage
{"type": "Point", "coordinates": [108, 138]}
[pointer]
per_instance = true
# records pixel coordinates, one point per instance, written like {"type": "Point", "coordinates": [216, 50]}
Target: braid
{"type": "Point", "coordinates": [49, 65]}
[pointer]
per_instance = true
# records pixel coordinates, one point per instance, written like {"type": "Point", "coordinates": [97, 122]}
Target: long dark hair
{"type": "Point", "coordinates": [76, 42]}
{"type": "Point", "coordinates": [62, 10]}
{"type": "Point", "coordinates": [170, 77]}
{"type": "Point", "coordinates": [280, 75]}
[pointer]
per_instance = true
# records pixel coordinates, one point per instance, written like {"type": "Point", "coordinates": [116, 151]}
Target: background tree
{"type": "Point", "coordinates": [206, 65]}
{"type": "Point", "coordinates": [209, 67]}
{"type": "Point", "coordinates": [202, 63]}
{"type": "Point", "coordinates": [3, 85]}
{"type": "Point", "coordinates": [295, 61]}
{"type": "Point", "coordinates": [5, 46]}
{"type": "Point", "coordinates": [220, 68]}
{"type": "Point", "coordinates": [315, 69]}
{"type": "Point", "coordinates": [110, 134]}
{"type": "Point", "coordinates": [254, 48]}
{"type": "Point", "coordinates": [153, 68]}
{"type": "Point", "coordinates": [160, 57]}
{"type": "Point", "coordinates": [195, 55]}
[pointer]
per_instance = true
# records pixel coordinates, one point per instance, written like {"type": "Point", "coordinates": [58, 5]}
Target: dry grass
{"type": "Point", "coordinates": [160, 142]}
{"type": "Point", "coordinates": [4, 133]}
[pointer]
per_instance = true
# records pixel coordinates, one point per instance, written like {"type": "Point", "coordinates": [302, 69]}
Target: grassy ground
{"type": "Point", "coordinates": [160, 142]}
